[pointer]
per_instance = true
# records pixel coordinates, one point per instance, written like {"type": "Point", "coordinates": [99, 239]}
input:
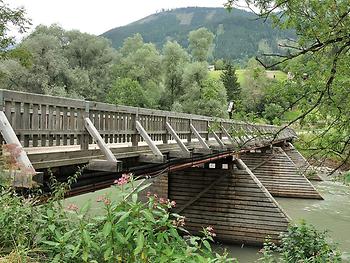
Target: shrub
{"type": "Point", "coordinates": [127, 230]}
{"type": "Point", "coordinates": [302, 243]}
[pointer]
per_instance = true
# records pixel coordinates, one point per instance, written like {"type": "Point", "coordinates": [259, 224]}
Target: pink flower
{"type": "Point", "coordinates": [72, 207]}
{"type": "Point", "coordinates": [149, 194]}
{"type": "Point", "coordinates": [107, 201]}
{"type": "Point", "coordinates": [162, 201]}
{"type": "Point", "coordinates": [173, 203]}
{"type": "Point", "coordinates": [122, 180]}
{"type": "Point", "coordinates": [210, 231]}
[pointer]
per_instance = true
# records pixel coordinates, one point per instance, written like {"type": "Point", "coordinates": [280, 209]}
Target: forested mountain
{"type": "Point", "coordinates": [238, 34]}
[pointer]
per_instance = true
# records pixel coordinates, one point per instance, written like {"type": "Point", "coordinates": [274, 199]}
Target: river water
{"type": "Point", "coordinates": [332, 213]}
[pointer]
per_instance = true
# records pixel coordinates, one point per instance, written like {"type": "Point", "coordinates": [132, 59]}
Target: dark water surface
{"type": "Point", "coordinates": [332, 213]}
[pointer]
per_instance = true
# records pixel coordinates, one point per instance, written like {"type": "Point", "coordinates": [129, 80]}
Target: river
{"type": "Point", "coordinates": [332, 213]}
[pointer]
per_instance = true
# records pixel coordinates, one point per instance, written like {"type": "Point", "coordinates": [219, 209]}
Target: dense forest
{"type": "Point", "coordinates": [239, 35]}
{"type": "Point", "coordinates": [54, 61]}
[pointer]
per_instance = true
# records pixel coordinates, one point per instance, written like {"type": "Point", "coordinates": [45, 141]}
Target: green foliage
{"type": "Point", "coordinates": [209, 99]}
{"type": "Point", "coordinates": [254, 87]}
{"type": "Point", "coordinates": [127, 92]}
{"type": "Point", "coordinates": [237, 33]}
{"type": "Point", "coordinates": [11, 19]}
{"type": "Point", "coordinates": [302, 243]}
{"type": "Point", "coordinates": [125, 231]}
{"type": "Point", "coordinates": [200, 44]}
{"type": "Point", "coordinates": [230, 81]}
{"type": "Point", "coordinates": [219, 64]}
{"type": "Point", "coordinates": [58, 62]}
{"type": "Point", "coordinates": [320, 68]}
{"type": "Point", "coordinates": [173, 61]}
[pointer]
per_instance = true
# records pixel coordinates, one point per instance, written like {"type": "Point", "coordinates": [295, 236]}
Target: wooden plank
{"type": "Point", "coordinates": [199, 137]}
{"type": "Point", "coordinates": [217, 138]}
{"type": "Point", "coordinates": [35, 124]}
{"type": "Point", "coordinates": [104, 165]}
{"type": "Point", "coordinates": [100, 142]}
{"type": "Point", "coordinates": [177, 139]}
{"type": "Point", "coordinates": [200, 194]}
{"type": "Point", "coordinates": [148, 139]}
{"type": "Point", "coordinates": [21, 156]}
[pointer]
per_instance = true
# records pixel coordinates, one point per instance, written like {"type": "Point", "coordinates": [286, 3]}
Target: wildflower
{"type": "Point", "coordinates": [149, 194]}
{"type": "Point", "coordinates": [155, 196]}
{"type": "Point", "coordinates": [72, 207]}
{"type": "Point", "coordinates": [162, 201]}
{"type": "Point", "coordinates": [179, 222]}
{"type": "Point", "coordinates": [210, 231]}
{"type": "Point", "coordinates": [122, 180]}
{"type": "Point", "coordinates": [107, 201]}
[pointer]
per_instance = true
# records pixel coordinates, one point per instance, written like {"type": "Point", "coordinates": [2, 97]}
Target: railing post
{"type": "Point", "coordinates": [135, 136]}
{"type": "Point", "coordinates": [84, 144]}
{"type": "Point", "coordinates": [207, 134]}
{"type": "Point", "coordinates": [165, 135]}
{"type": "Point", "coordinates": [189, 135]}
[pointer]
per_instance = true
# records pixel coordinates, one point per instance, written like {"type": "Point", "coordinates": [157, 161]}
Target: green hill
{"type": "Point", "coordinates": [238, 34]}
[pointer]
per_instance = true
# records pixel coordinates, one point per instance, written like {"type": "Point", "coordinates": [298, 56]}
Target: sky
{"type": "Point", "coordinates": [98, 16]}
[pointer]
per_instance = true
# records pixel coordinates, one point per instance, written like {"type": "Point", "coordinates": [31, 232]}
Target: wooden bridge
{"type": "Point", "coordinates": [220, 172]}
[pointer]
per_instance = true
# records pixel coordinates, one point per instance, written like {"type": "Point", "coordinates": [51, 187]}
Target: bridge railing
{"type": "Point", "coordinates": [41, 120]}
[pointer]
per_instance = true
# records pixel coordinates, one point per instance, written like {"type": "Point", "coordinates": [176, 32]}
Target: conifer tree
{"type": "Point", "coordinates": [230, 81]}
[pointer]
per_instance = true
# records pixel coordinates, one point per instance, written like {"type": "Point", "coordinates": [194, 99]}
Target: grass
{"type": "Point", "coordinates": [279, 75]}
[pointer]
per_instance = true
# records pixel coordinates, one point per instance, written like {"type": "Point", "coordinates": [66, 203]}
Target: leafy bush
{"type": "Point", "coordinates": [126, 230]}
{"type": "Point", "coordinates": [302, 243]}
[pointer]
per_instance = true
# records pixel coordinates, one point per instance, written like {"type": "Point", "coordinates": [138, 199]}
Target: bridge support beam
{"type": "Point", "coordinates": [109, 165]}
{"type": "Point", "coordinates": [157, 156]}
{"type": "Point", "coordinates": [217, 138]}
{"type": "Point", "coordinates": [233, 201]}
{"type": "Point", "coordinates": [279, 175]}
{"type": "Point", "coordinates": [205, 146]}
{"type": "Point", "coordinates": [229, 137]}
{"type": "Point", "coordinates": [24, 178]}
{"type": "Point", "coordinates": [185, 153]}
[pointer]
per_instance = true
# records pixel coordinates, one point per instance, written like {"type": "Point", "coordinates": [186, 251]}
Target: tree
{"type": "Point", "coordinates": [126, 91]}
{"type": "Point", "coordinates": [210, 99]}
{"type": "Point", "coordinates": [59, 62]}
{"type": "Point", "coordinates": [201, 44]}
{"type": "Point", "coordinates": [174, 60]}
{"type": "Point", "coordinates": [323, 30]}
{"type": "Point", "coordinates": [195, 73]}
{"type": "Point", "coordinates": [230, 81]}
{"type": "Point", "coordinates": [14, 19]}
{"type": "Point", "coordinates": [141, 62]}
{"type": "Point", "coordinates": [254, 87]}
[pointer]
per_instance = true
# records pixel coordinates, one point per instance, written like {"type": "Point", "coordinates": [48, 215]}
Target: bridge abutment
{"type": "Point", "coordinates": [233, 201]}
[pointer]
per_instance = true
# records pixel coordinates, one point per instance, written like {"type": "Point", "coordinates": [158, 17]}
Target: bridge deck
{"type": "Point", "coordinates": [53, 130]}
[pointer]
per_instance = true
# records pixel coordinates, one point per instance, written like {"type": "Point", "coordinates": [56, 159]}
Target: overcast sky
{"type": "Point", "coordinates": [98, 16]}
